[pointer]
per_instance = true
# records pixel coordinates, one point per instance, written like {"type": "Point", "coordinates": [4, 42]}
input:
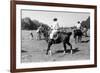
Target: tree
{"type": "Point", "coordinates": [28, 24]}
{"type": "Point", "coordinates": [86, 23]}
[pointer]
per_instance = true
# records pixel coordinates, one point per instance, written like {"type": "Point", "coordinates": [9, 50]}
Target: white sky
{"type": "Point", "coordinates": [67, 19]}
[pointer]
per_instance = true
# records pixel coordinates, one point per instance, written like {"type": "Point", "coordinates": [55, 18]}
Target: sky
{"type": "Point", "coordinates": [65, 18]}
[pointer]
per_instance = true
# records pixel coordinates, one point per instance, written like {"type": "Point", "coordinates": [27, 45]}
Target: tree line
{"type": "Point", "coordinates": [28, 24]}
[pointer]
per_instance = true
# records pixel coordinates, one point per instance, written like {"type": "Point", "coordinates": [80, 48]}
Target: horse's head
{"type": "Point", "coordinates": [44, 29]}
{"type": "Point", "coordinates": [40, 29]}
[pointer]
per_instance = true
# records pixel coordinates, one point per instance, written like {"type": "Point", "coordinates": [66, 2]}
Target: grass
{"type": "Point", "coordinates": [35, 50]}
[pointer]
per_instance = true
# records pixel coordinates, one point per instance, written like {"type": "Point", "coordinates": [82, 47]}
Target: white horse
{"type": "Point", "coordinates": [39, 34]}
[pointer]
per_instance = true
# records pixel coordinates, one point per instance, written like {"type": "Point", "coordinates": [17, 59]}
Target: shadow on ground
{"type": "Point", "coordinates": [68, 51]}
{"type": "Point", "coordinates": [23, 51]}
{"type": "Point", "coordinates": [85, 41]}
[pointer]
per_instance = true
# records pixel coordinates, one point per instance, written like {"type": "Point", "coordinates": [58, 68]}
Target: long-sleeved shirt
{"type": "Point", "coordinates": [55, 26]}
{"type": "Point", "coordinates": [78, 25]}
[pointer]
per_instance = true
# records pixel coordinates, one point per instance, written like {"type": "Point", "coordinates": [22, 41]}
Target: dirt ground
{"type": "Point", "coordinates": [34, 50]}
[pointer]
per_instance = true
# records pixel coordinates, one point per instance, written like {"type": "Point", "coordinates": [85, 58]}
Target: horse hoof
{"type": "Point", "coordinates": [64, 52]}
{"type": "Point", "coordinates": [49, 53]}
{"type": "Point", "coordinates": [46, 53]}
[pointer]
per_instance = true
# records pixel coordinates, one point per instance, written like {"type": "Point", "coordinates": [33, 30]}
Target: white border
{"type": "Point", "coordinates": [20, 65]}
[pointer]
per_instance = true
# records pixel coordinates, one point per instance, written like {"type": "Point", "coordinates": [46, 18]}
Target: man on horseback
{"type": "Point", "coordinates": [78, 32]}
{"type": "Point", "coordinates": [54, 28]}
{"type": "Point", "coordinates": [78, 25]}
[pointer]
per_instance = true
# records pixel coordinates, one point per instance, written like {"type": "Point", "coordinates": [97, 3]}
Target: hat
{"type": "Point", "coordinates": [78, 22]}
{"type": "Point", "coordinates": [55, 19]}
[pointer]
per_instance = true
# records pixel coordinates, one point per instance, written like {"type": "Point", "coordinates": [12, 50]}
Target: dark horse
{"type": "Point", "coordinates": [62, 37]}
{"type": "Point", "coordinates": [78, 35]}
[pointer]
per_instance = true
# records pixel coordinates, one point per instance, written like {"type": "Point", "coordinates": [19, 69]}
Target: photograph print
{"type": "Point", "coordinates": [54, 36]}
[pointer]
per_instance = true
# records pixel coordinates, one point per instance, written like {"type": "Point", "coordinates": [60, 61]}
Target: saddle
{"type": "Point", "coordinates": [55, 36]}
{"type": "Point", "coordinates": [78, 30]}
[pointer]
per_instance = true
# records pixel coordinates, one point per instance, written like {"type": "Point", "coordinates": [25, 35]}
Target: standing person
{"type": "Point", "coordinates": [31, 34]}
{"type": "Point", "coordinates": [55, 27]}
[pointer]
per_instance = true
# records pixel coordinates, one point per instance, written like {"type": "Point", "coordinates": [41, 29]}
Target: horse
{"type": "Point", "coordinates": [39, 34]}
{"type": "Point", "coordinates": [62, 37]}
{"type": "Point", "coordinates": [40, 31]}
{"type": "Point", "coordinates": [84, 30]}
{"type": "Point", "coordinates": [78, 35]}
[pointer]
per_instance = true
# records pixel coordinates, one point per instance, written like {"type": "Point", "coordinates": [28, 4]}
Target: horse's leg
{"type": "Point", "coordinates": [75, 37]}
{"type": "Point", "coordinates": [39, 36]}
{"type": "Point", "coordinates": [78, 39]}
{"type": "Point", "coordinates": [48, 49]}
{"type": "Point", "coordinates": [64, 45]}
{"type": "Point", "coordinates": [70, 47]}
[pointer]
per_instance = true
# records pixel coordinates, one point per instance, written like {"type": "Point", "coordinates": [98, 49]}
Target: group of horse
{"type": "Point", "coordinates": [62, 37]}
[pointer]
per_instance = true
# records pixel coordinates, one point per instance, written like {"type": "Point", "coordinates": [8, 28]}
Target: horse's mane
{"type": "Point", "coordinates": [46, 27]}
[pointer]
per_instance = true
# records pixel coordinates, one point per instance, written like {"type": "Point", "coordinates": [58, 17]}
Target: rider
{"type": "Point", "coordinates": [78, 25]}
{"type": "Point", "coordinates": [55, 27]}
